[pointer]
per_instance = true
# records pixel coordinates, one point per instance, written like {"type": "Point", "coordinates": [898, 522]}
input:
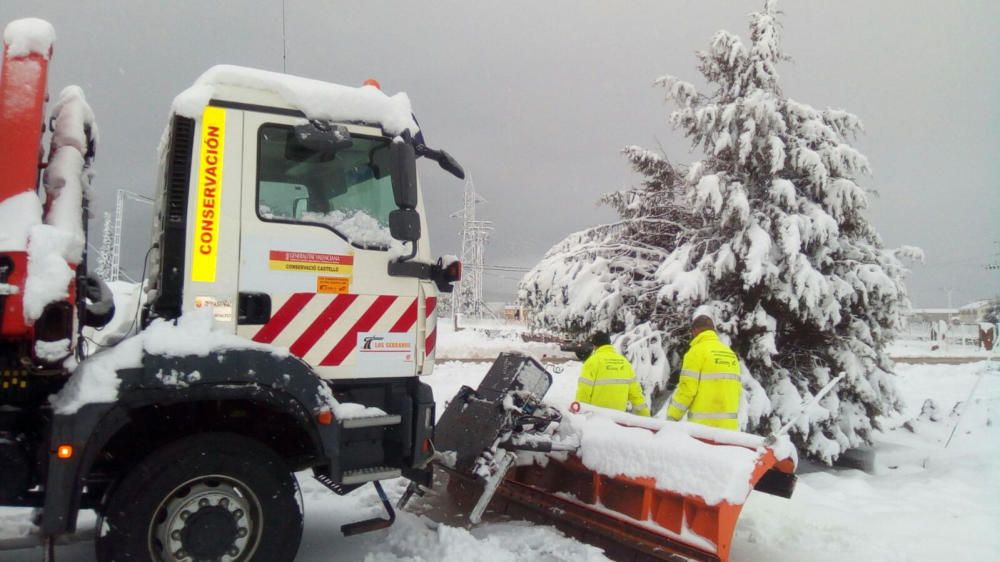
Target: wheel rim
{"type": "Point", "coordinates": [215, 517]}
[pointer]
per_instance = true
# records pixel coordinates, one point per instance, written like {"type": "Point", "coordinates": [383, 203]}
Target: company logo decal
{"type": "Point", "coordinates": [222, 309]}
{"type": "Point", "coordinates": [381, 351]}
{"type": "Point", "coordinates": [378, 344]}
{"type": "Point", "coordinates": [311, 262]}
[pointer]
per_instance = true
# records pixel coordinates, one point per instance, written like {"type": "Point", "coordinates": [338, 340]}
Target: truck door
{"type": "Point", "coordinates": [314, 251]}
{"type": "Point", "coordinates": [427, 328]}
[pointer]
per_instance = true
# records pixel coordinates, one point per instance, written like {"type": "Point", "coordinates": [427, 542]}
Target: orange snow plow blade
{"type": "Point", "coordinates": [640, 488]}
{"type": "Point", "coordinates": [631, 517]}
{"type": "Point", "coordinates": [656, 520]}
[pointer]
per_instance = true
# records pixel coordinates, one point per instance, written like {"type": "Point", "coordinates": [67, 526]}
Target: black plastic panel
{"type": "Point", "coordinates": [174, 236]}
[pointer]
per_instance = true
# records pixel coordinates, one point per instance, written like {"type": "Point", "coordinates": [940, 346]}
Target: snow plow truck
{"type": "Point", "coordinates": [289, 316]}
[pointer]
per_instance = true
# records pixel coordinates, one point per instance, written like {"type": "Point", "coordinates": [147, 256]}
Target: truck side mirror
{"type": "Point", "coordinates": [404, 225]}
{"type": "Point", "coordinates": [403, 161]}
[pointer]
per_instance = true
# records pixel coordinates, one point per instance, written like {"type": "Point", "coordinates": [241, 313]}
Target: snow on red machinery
{"type": "Point", "coordinates": [641, 488]}
{"type": "Point", "coordinates": [42, 242]}
{"type": "Point", "coordinates": [22, 105]}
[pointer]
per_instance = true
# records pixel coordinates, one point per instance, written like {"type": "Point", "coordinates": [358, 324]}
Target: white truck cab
{"type": "Point", "coordinates": [288, 207]}
{"type": "Point", "coordinates": [275, 210]}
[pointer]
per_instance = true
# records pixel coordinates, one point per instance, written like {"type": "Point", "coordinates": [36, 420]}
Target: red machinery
{"type": "Point", "coordinates": [22, 118]}
{"type": "Point", "coordinates": [41, 245]}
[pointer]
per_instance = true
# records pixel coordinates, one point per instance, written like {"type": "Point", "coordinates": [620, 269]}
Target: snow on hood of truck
{"type": "Point", "coordinates": [96, 380]}
{"type": "Point", "coordinates": [317, 100]}
{"type": "Point", "coordinates": [29, 36]}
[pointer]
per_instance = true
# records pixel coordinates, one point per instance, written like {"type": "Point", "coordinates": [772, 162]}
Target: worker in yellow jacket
{"type": "Point", "coordinates": [607, 379]}
{"type": "Point", "coordinates": [709, 387]}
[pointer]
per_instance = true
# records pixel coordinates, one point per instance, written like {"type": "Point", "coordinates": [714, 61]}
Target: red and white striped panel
{"type": "Point", "coordinates": [323, 329]}
{"type": "Point", "coordinates": [431, 342]}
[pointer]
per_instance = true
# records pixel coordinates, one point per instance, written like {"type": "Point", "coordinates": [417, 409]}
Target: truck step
{"type": "Point", "coordinates": [369, 474]}
{"type": "Point", "coordinates": [369, 525]}
{"type": "Point", "coordinates": [374, 421]}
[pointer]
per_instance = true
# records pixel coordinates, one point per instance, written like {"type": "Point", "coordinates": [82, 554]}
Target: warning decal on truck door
{"type": "Point", "coordinates": [323, 329]}
{"type": "Point", "coordinates": [334, 285]}
{"type": "Point", "coordinates": [205, 245]}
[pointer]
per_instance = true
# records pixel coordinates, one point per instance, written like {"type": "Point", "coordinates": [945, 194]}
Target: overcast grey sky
{"type": "Point", "coordinates": [537, 98]}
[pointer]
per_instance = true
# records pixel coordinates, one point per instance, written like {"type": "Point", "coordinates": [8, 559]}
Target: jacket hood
{"type": "Point", "coordinates": [707, 335]}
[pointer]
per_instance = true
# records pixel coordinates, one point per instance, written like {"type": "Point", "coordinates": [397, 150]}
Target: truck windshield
{"type": "Point", "coordinates": [349, 191]}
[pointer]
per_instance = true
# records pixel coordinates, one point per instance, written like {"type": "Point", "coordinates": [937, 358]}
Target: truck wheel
{"type": "Point", "coordinates": [214, 496]}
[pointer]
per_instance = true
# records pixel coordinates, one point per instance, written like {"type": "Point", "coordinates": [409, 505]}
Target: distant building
{"type": "Point", "coordinates": [968, 325]}
{"type": "Point", "coordinates": [977, 311]}
{"type": "Point", "coordinates": [930, 323]}
{"type": "Point", "coordinates": [513, 313]}
{"type": "Point", "coordinates": [931, 315]}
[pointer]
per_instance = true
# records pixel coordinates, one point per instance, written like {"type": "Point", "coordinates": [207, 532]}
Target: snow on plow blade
{"type": "Point", "coordinates": [688, 504]}
{"type": "Point", "coordinates": [640, 488]}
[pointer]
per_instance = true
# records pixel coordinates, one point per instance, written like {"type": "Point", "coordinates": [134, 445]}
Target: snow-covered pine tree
{"type": "Point", "coordinates": [604, 278]}
{"type": "Point", "coordinates": [103, 269]}
{"type": "Point", "coordinates": [770, 230]}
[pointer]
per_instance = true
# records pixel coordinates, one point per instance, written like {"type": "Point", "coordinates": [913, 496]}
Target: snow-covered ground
{"type": "Point", "coordinates": [922, 502]}
{"type": "Point", "coordinates": [487, 342]}
{"type": "Point", "coordinates": [927, 349]}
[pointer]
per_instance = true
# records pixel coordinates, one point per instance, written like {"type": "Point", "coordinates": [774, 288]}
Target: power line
{"type": "Point", "coordinates": [505, 277]}
{"type": "Point", "coordinates": [972, 261]}
{"type": "Point", "coordinates": [511, 268]}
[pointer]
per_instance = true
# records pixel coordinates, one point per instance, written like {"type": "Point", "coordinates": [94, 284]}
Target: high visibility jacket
{"type": "Point", "coordinates": [607, 380]}
{"type": "Point", "coordinates": [709, 387]}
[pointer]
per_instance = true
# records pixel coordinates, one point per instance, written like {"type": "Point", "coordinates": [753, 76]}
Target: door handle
{"type": "Point", "coordinates": [254, 308]}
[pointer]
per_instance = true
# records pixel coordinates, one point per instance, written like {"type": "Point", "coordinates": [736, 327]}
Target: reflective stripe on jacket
{"type": "Point", "coordinates": [709, 387]}
{"type": "Point", "coordinates": [607, 380]}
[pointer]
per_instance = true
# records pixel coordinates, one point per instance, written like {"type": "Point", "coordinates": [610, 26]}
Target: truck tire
{"type": "Point", "coordinates": [212, 496]}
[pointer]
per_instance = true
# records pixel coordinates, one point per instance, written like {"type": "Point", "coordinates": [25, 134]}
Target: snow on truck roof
{"type": "Point", "coordinates": [29, 35]}
{"type": "Point", "coordinates": [316, 99]}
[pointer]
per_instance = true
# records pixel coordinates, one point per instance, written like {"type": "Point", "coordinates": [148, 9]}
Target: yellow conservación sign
{"type": "Point", "coordinates": [205, 242]}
